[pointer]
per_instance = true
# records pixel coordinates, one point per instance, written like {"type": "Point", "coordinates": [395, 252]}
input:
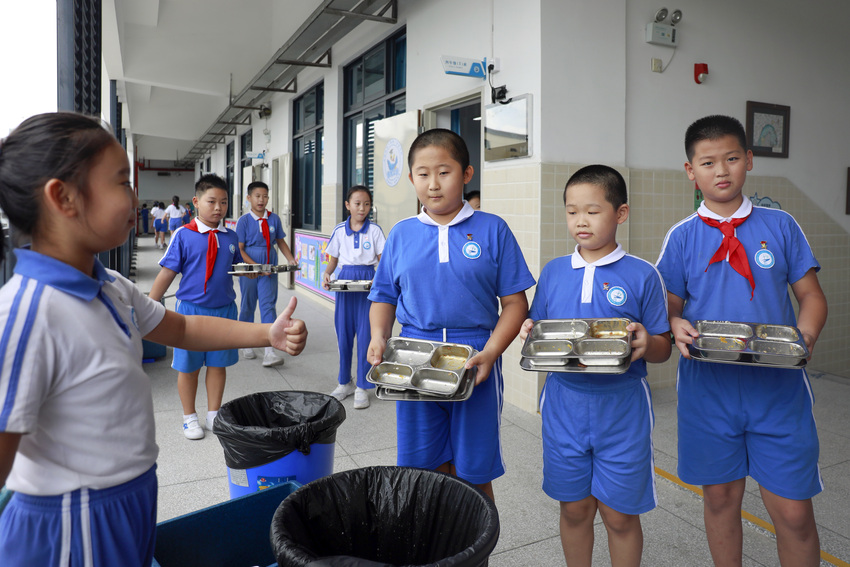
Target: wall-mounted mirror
{"type": "Point", "coordinates": [507, 129]}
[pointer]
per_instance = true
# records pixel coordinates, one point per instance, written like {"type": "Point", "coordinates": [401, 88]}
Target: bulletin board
{"type": "Point", "coordinates": [310, 253]}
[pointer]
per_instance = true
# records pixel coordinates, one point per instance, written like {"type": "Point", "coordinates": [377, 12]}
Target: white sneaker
{"type": "Point", "coordinates": [271, 358]}
{"type": "Point", "coordinates": [342, 391]}
{"type": "Point", "coordinates": [248, 353]}
{"type": "Point", "coordinates": [361, 399]}
{"type": "Point", "coordinates": [191, 429]}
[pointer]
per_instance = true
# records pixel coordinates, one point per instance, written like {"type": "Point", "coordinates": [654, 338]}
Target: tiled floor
{"type": "Point", "coordinates": [192, 474]}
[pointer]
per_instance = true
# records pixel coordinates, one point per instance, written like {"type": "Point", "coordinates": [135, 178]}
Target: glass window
{"type": "Point", "coordinates": [374, 83]}
{"type": "Point", "coordinates": [374, 89]}
{"type": "Point", "coordinates": [308, 160]}
{"type": "Point", "coordinates": [245, 143]}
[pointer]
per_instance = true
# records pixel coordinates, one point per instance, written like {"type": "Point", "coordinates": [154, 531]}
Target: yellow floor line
{"type": "Point", "coordinates": [828, 557]}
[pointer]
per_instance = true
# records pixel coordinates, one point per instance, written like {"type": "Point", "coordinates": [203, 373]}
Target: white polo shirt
{"type": "Point", "coordinates": [356, 248]}
{"type": "Point", "coordinates": [71, 378]}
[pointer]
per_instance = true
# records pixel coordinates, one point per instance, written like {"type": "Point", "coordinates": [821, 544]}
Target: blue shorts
{"type": "Point", "coordinates": [174, 224]}
{"type": "Point", "coordinates": [597, 441]}
{"type": "Point", "coordinates": [737, 420]}
{"type": "Point", "coordinates": [157, 225]}
{"type": "Point", "coordinates": [188, 361]}
{"type": "Point", "coordinates": [112, 526]}
{"type": "Point", "coordinates": [467, 434]}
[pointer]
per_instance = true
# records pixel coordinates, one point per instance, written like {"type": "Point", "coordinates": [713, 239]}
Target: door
{"type": "Point", "coordinates": [280, 201]}
{"type": "Point", "coordinates": [393, 196]}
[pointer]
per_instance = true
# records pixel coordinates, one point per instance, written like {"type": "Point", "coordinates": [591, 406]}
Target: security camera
{"type": "Point", "coordinates": [265, 111]}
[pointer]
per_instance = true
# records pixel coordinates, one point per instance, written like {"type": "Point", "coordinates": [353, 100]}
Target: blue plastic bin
{"type": "Point", "coordinates": [235, 532]}
{"type": "Point", "coordinates": [274, 437]}
{"type": "Point", "coordinates": [295, 466]}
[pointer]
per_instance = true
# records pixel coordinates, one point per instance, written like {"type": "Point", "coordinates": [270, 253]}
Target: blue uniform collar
{"type": "Point", "coordinates": [349, 231]}
{"type": "Point", "coordinates": [60, 275]}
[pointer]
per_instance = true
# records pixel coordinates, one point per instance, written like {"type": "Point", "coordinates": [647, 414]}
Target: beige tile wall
{"type": "Point", "coordinates": [529, 198]}
{"type": "Point", "coordinates": [331, 207]}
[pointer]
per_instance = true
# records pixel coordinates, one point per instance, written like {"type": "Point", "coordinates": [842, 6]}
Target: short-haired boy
{"type": "Point", "coordinates": [597, 428]}
{"type": "Point", "coordinates": [258, 231]}
{"type": "Point", "coordinates": [203, 251]}
{"type": "Point", "coordinates": [731, 261]}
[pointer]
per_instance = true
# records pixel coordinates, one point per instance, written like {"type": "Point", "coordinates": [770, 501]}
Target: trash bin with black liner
{"type": "Point", "coordinates": [385, 516]}
{"type": "Point", "coordinates": [274, 437]}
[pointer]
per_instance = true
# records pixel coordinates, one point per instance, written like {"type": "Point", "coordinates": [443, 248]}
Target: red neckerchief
{"type": "Point", "coordinates": [264, 228]}
{"type": "Point", "coordinates": [212, 248]}
{"type": "Point", "coordinates": [733, 247]}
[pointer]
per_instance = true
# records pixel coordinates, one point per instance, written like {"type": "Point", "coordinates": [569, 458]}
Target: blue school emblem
{"type": "Point", "coordinates": [471, 250]}
{"type": "Point", "coordinates": [233, 249]}
{"type": "Point", "coordinates": [134, 319]}
{"type": "Point", "coordinates": [764, 258]}
{"type": "Point", "coordinates": [271, 229]}
{"type": "Point", "coordinates": [367, 245]}
{"type": "Point", "coordinates": [393, 162]}
{"type": "Point", "coordinates": [616, 296]}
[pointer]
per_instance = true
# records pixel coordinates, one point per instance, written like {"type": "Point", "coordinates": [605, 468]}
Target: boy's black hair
{"type": "Point", "coordinates": [472, 194]}
{"type": "Point", "coordinates": [256, 184]}
{"type": "Point", "coordinates": [54, 145]}
{"type": "Point", "coordinates": [443, 138]}
{"type": "Point", "coordinates": [209, 181]}
{"type": "Point", "coordinates": [354, 189]}
{"type": "Point", "coordinates": [711, 128]}
{"type": "Point", "coordinates": [606, 177]}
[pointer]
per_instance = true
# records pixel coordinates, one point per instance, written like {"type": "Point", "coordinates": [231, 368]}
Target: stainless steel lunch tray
{"type": "Point", "coordinates": [578, 345]}
{"type": "Point", "coordinates": [759, 344]}
{"type": "Point", "coordinates": [242, 269]}
{"type": "Point", "coordinates": [406, 395]}
{"type": "Point", "coordinates": [428, 367]}
{"type": "Point", "coordinates": [350, 285]}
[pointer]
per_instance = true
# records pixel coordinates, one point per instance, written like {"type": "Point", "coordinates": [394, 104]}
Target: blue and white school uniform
{"type": "Point", "coordinates": [187, 254]}
{"type": "Point", "coordinates": [249, 231]}
{"type": "Point", "coordinates": [761, 422]}
{"type": "Point", "coordinates": [83, 476]}
{"type": "Point", "coordinates": [158, 214]}
{"type": "Point", "coordinates": [597, 428]}
{"type": "Point", "coordinates": [175, 216]}
{"type": "Point", "coordinates": [446, 281]}
{"type": "Point", "coordinates": [357, 253]}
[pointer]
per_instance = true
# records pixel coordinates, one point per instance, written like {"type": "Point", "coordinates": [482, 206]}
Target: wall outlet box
{"type": "Point", "coordinates": [662, 34]}
{"type": "Point", "coordinates": [656, 65]}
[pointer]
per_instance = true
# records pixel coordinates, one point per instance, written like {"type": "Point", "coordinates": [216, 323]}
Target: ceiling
{"type": "Point", "coordinates": [182, 65]}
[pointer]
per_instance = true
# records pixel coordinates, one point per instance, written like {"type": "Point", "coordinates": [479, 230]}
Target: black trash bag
{"type": "Point", "coordinates": [261, 428]}
{"type": "Point", "coordinates": [383, 517]}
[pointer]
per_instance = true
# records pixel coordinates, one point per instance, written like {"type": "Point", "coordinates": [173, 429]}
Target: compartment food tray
{"type": "Point", "coordinates": [405, 395]}
{"type": "Point", "coordinates": [241, 269]}
{"type": "Point", "coordinates": [423, 366]}
{"type": "Point", "coordinates": [600, 345]}
{"type": "Point", "coordinates": [350, 285]}
{"type": "Point", "coordinates": [759, 344]}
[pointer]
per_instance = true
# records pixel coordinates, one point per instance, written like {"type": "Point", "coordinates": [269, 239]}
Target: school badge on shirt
{"type": "Point", "coordinates": [764, 258]}
{"type": "Point", "coordinates": [616, 295]}
{"type": "Point", "coordinates": [471, 249]}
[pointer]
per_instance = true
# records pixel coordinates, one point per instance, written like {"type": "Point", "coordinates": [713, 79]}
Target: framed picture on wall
{"type": "Point", "coordinates": [767, 129]}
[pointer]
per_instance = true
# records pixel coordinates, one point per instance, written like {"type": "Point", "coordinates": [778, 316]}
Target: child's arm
{"type": "Point", "coordinates": [813, 308]}
{"type": "Point", "coordinates": [287, 253]}
{"type": "Point", "coordinates": [381, 319]}
{"type": "Point", "coordinates": [514, 312]}
{"type": "Point", "coordinates": [201, 333]}
{"type": "Point", "coordinates": [8, 449]}
{"type": "Point", "coordinates": [683, 332]}
{"type": "Point", "coordinates": [245, 257]}
{"type": "Point", "coordinates": [326, 275]}
{"type": "Point", "coordinates": [652, 348]}
{"type": "Point", "coordinates": [161, 283]}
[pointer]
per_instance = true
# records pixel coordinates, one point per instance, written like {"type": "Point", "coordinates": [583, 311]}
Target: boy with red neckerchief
{"type": "Point", "coordinates": [731, 261]}
{"type": "Point", "coordinates": [203, 251]}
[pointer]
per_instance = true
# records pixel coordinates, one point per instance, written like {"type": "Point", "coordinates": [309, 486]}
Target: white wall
{"type": "Point", "coordinates": [775, 51]}
{"type": "Point", "coordinates": [153, 187]}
